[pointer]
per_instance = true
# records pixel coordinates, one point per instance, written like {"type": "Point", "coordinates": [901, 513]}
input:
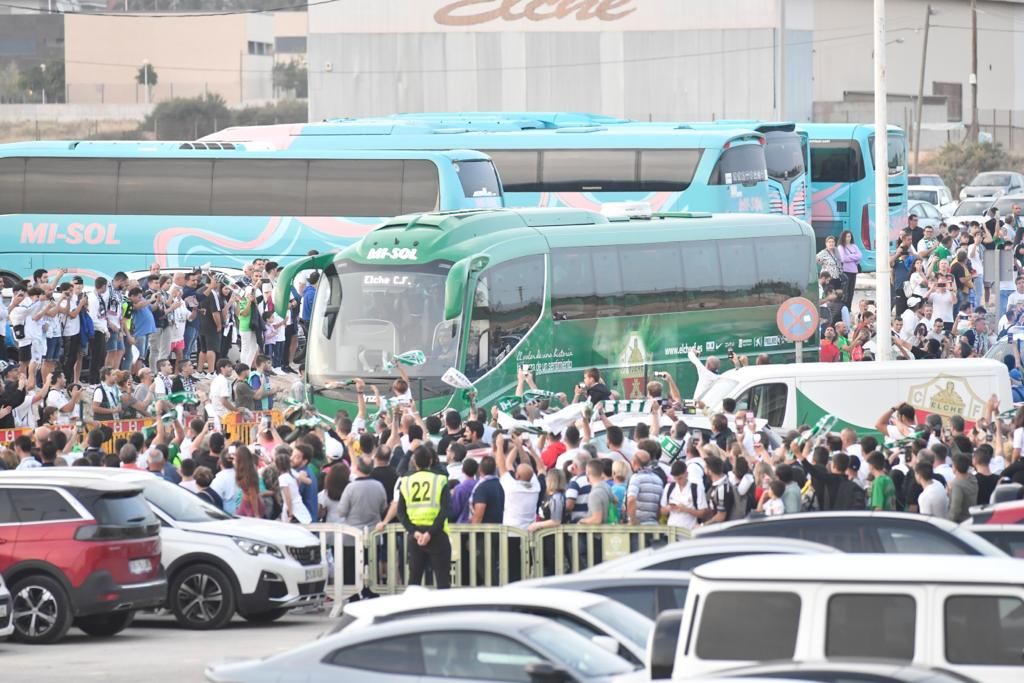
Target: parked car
{"type": "Point", "coordinates": [856, 670]}
{"type": "Point", "coordinates": [1010, 512]}
{"type": "Point", "coordinates": [926, 179]}
{"type": "Point", "coordinates": [649, 592]}
{"type": "Point", "coordinates": [587, 614]}
{"type": "Point", "coordinates": [1004, 205]}
{"type": "Point", "coordinates": [76, 552]}
{"type": "Point", "coordinates": [683, 556]}
{"type": "Point", "coordinates": [863, 532]}
{"type": "Point", "coordinates": [218, 565]}
{"type": "Point", "coordinates": [471, 646]}
{"type": "Point", "coordinates": [928, 215]}
{"type": "Point", "coordinates": [964, 615]}
{"type": "Point", "coordinates": [971, 210]}
{"type": "Point", "coordinates": [1007, 537]}
{"type": "Point", "coordinates": [993, 184]}
{"type": "Point", "coordinates": [939, 197]}
{"type": "Point", "coordinates": [6, 618]}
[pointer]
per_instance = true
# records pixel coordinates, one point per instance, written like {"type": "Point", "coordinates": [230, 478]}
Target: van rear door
{"type": "Point", "coordinates": [978, 631]}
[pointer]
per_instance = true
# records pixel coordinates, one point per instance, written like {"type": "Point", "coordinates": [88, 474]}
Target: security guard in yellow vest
{"type": "Point", "coordinates": [423, 501]}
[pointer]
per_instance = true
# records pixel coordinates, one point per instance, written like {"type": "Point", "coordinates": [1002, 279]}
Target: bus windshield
{"type": "Point", "coordinates": [479, 183]}
{"type": "Point", "coordinates": [365, 314]}
{"type": "Point", "coordinates": [785, 156]}
{"type": "Point", "coordinates": [897, 153]}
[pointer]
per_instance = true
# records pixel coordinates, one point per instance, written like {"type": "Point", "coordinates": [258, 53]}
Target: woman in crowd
{"type": "Point", "coordinates": [831, 262]}
{"type": "Point", "coordinates": [850, 257]}
{"type": "Point", "coordinates": [248, 479]}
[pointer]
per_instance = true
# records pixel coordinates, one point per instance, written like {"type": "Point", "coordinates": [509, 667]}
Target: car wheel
{"type": "Point", "coordinates": [105, 625]}
{"type": "Point", "coordinates": [41, 610]}
{"type": "Point", "coordinates": [265, 617]}
{"type": "Point", "coordinates": [202, 597]}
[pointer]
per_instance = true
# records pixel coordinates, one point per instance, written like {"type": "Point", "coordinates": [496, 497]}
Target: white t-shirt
{"type": "Point", "coordinates": [774, 507]}
{"type": "Point", "coordinates": [933, 500]}
{"type": "Point", "coordinates": [33, 327]}
{"type": "Point", "coordinates": [278, 332]}
{"type": "Point", "coordinates": [227, 488]}
{"type": "Point", "coordinates": [942, 306]}
{"type": "Point", "coordinates": [683, 495]}
{"type": "Point", "coordinates": [331, 506]}
{"type": "Point", "coordinates": [220, 388]}
{"type": "Point", "coordinates": [178, 319]}
{"type": "Point", "coordinates": [190, 485]}
{"type": "Point", "coordinates": [58, 399]}
{"type": "Point", "coordinates": [520, 500]}
{"type": "Point", "coordinates": [1018, 440]}
{"type": "Point", "coordinates": [72, 326]}
{"type": "Point", "coordinates": [997, 464]}
{"type": "Point", "coordinates": [299, 511]}
{"type": "Point", "coordinates": [1014, 298]}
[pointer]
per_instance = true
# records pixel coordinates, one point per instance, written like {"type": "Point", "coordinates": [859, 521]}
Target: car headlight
{"type": "Point", "coordinates": [251, 547]}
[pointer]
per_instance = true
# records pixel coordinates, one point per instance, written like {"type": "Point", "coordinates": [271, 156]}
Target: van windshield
{"type": "Point", "coordinates": [718, 391]}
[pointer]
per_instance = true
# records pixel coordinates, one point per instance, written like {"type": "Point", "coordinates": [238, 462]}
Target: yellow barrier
{"type": "Point", "coordinates": [7, 436]}
{"type": "Point", "coordinates": [247, 431]}
{"type": "Point", "coordinates": [495, 555]}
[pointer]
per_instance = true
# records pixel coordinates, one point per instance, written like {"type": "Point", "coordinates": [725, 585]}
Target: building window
{"type": "Point", "coordinates": [954, 93]}
{"type": "Point", "coordinates": [258, 48]}
{"type": "Point", "coordinates": [290, 45]}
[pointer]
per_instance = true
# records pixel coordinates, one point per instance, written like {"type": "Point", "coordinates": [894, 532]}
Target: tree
{"type": "Point", "coordinates": [47, 77]}
{"type": "Point", "coordinates": [10, 77]}
{"type": "Point", "coordinates": [292, 76]}
{"type": "Point", "coordinates": [188, 118]}
{"type": "Point", "coordinates": [959, 163]}
{"type": "Point", "coordinates": [140, 76]}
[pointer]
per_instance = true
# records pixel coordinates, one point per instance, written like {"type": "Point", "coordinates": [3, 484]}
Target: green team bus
{"type": "Point", "coordinates": [560, 290]}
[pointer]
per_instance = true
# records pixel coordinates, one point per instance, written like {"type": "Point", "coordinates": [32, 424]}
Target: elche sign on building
{"type": "Point", "coordinates": [431, 16]}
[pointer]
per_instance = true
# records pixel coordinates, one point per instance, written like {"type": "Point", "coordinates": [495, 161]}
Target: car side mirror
{"type": "Point", "coordinates": [545, 672]}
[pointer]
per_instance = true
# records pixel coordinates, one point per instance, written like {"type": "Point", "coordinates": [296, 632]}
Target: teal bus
{"type": "Point", "coordinates": [785, 149]}
{"type": "Point", "coordinates": [96, 208]}
{"type": "Point", "coordinates": [671, 168]}
{"type": "Point", "coordinates": [560, 290]}
{"type": "Point", "coordinates": [843, 171]}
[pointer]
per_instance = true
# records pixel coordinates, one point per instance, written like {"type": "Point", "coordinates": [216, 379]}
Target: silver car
{"type": "Point", "coordinates": [649, 592]}
{"type": "Point", "coordinates": [993, 184]}
{"type": "Point", "coordinates": [472, 647]}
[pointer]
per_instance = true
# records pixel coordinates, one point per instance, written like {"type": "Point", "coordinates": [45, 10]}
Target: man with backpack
{"type": "Point", "coordinates": [722, 496]}
{"type": "Point", "coordinates": [683, 502]}
{"type": "Point", "coordinates": [643, 494]}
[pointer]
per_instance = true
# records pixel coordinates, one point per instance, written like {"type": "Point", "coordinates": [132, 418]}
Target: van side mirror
{"type": "Point", "coordinates": [664, 642]}
{"type": "Point", "coordinates": [545, 672]}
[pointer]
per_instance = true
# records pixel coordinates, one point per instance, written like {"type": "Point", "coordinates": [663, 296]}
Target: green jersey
{"type": "Point", "coordinates": [883, 493]}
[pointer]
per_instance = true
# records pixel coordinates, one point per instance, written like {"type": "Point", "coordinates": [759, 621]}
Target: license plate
{"type": "Point", "coordinates": [314, 574]}
{"type": "Point", "coordinates": [3, 611]}
{"type": "Point", "coordinates": [140, 566]}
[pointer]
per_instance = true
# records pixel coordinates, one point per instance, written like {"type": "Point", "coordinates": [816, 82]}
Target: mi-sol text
{"type": "Point", "coordinates": [71, 234]}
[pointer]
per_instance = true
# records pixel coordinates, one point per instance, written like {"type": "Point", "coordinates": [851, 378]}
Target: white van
{"type": "Point", "coordinates": [960, 614]}
{"type": "Point", "coordinates": [859, 393]}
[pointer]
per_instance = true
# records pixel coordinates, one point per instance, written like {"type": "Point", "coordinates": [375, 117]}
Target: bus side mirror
{"type": "Point", "coordinates": [456, 282]}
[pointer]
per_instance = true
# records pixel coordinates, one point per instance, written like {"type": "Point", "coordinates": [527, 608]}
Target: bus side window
{"type": "Point", "coordinates": [507, 302]}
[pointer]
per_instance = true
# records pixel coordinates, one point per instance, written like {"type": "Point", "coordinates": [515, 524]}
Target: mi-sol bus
{"type": "Point", "coordinates": [559, 290]}
{"type": "Point", "coordinates": [786, 149]}
{"type": "Point", "coordinates": [100, 207]}
{"type": "Point", "coordinates": [671, 168]}
{"type": "Point", "coordinates": [843, 182]}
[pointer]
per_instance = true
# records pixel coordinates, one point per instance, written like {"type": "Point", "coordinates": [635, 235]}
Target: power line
{"type": "Point", "coordinates": [172, 15]}
{"type": "Point", "coordinates": [627, 60]}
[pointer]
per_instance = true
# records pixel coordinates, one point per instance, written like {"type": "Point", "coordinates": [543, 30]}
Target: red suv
{"type": "Point", "coordinates": [76, 553]}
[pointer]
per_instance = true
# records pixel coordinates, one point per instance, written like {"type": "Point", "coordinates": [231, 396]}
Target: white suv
{"type": "Point", "coordinates": [218, 565]}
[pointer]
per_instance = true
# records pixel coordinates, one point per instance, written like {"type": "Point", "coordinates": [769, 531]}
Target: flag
{"type": "Point", "coordinates": [410, 358]}
{"type": "Point", "coordinates": [179, 397]}
{"type": "Point", "coordinates": [557, 422]}
{"type": "Point", "coordinates": [824, 424]}
{"type": "Point", "coordinates": [509, 403]}
{"type": "Point", "coordinates": [453, 378]}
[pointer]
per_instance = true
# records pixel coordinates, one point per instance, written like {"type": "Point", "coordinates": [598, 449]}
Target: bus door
{"type": "Point", "coordinates": [836, 165]}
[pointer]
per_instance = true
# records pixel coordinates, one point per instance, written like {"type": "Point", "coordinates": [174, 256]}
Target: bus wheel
{"type": "Point", "coordinates": [9, 280]}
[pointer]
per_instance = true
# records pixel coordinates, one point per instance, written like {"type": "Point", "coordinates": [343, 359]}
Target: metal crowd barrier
{"type": "Point", "coordinates": [495, 555]}
{"type": "Point", "coordinates": [334, 539]}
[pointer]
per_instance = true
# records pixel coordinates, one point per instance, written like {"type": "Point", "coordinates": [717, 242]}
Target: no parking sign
{"type": "Point", "coordinates": [798, 321]}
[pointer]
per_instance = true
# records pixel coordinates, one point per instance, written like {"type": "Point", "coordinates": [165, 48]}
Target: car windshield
{"type": "Point", "coordinates": [717, 391]}
{"type": "Point", "coordinates": [364, 315]}
{"type": "Point", "coordinates": [179, 504]}
{"type": "Point", "coordinates": [629, 623]}
{"type": "Point", "coordinates": [975, 208]}
{"type": "Point", "coordinates": [1005, 205]}
{"type": "Point", "coordinates": [586, 659]}
{"type": "Point", "coordinates": [930, 196]}
{"type": "Point", "coordinates": [991, 180]}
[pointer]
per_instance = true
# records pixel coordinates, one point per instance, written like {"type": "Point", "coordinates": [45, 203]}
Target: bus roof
{"type": "Point", "coordinates": [368, 133]}
{"type": "Point", "coordinates": [503, 234]}
{"type": "Point", "coordinates": [842, 130]}
{"type": "Point", "coordinates": [540, 119]}
{"type": "Point", "coordinates": [191, 150]}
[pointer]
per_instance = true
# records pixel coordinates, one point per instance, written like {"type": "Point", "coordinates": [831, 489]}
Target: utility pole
{"type": "Point", "coordinates": [882, 294]}
{"type": "Point", "coordinates": [782, 60]}
{"type": "Point", "coordinates": [972, 131]}
{"type": "Point", "coordinates": [920, 88]}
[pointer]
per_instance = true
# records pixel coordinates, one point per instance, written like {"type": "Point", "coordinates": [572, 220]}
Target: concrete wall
{"type": "Point", "coordinates": [659, 59]}
{"type": "Point", "coordinates": [191, 56]}
{"type": "Point", "coordinates": [12, 113]}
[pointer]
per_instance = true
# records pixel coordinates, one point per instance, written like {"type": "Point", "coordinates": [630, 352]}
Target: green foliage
{"type": "Point", "coordinates": [9, 83]}
{"type": "Point", "coordinates": [188, 118]}
{"type": "Point", "coordinates": [292, 76]}
{"type": "Point", "coordinates": [959, 163]}
{"type": "Point", "coordinates": [140, 76]}
{"type": "Point", "coordinates": [49, 77]}
{"type": "Point", "coordinates": [285, 111]}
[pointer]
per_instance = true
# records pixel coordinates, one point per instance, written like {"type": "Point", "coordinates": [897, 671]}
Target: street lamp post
{"type": "Point", "coordinates": [145, 78]}
{"type": "Point", "coordinates": [882, 295]}
{"type": "Point", "coordinates": [42, 67]}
